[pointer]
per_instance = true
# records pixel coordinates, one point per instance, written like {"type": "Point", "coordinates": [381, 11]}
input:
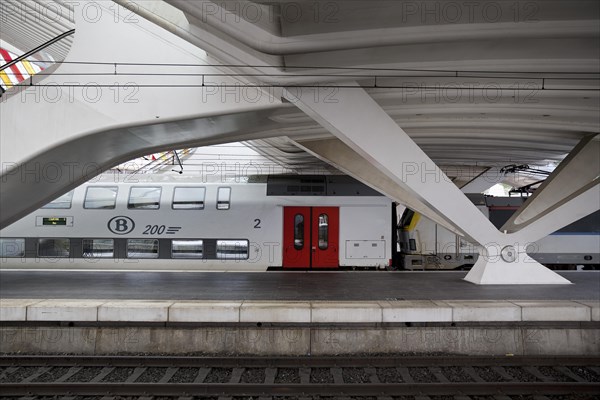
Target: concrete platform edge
{"type": "Point", "coordinates": [316, 312]}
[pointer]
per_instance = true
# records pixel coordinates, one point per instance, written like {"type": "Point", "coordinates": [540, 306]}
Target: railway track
{"type": "Point", "coordinates": [291, 377]}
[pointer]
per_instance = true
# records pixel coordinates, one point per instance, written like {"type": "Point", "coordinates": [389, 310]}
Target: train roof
{"type": "Point", "coordinates": [277, 185]}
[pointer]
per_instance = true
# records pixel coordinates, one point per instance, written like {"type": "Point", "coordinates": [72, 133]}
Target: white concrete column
{"type": "Point", "coordinates": [111, 100]}
{"type": "Point", "coordinates": [358, 121]}
{"type": "Point", "coordinates": [484, 181]}
{"type": "Point", "coordinates": [336, 153]}
{"type": "Point", "coordinates": [507, 261]}
{"type": "Point", "coordinates": [503, 263]}
{"type": "Point", "coordinates": [583, 203]}
{"type": "Point", "coordinates": [570, 193]}
{"type": "Point", "coordinates": [575, 175]}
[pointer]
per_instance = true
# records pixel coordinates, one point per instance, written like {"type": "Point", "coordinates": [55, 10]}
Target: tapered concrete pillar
{"type": "Point", "coordinates": [336, 153]}
{"type": "Point", "coordinates": [577, 174]}
{"type": "Point", "coordinates": [484, 181]}
{"type": "Point", "coordinates": [570, 193]}
{"type": "Point", "coordinates": [358, 121]}
{"type": "Point", "coordinates": [508, 260]}
{"type": "Point", "coordinates": [509, 264]}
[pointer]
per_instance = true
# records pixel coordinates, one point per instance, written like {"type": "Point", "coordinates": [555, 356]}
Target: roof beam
{"type": "Point", "coordinates": [576, 176]}
{"type": "Point", "coordinates": [358, 121]}
{"type": "Point", "coordinates": [338, 154]}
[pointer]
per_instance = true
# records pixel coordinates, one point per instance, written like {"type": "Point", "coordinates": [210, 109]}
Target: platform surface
{"type": "Point", "coordinates": [283, 286]}
{"type": "Point", "coordinates": [305, 298]}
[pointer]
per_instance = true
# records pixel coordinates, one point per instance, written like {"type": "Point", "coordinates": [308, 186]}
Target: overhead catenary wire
{"type": "Point", "coordinates": [533, 78]}
{"type": "Point", "coordinates": [326, 67]}
{"type": "Point", "coordinates": [315, 86]}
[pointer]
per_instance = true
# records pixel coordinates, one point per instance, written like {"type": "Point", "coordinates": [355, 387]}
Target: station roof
{"type": "Point", "coordinates": [474, 84]}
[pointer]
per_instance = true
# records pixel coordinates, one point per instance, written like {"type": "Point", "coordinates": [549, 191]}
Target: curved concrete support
{"type": "Point", "coordinates": [509, 264]}
{"type": "Point", "coordinates": [87, 94]}
{"type": "Point", "coordinates": [364, 127]}
{"type": "Point", "coordinates": [574, 175]}
{"type": "Point", "coordinates": [61, 168]}
{"type": "Point", "coordinates": [81, 120]}
{"type": "Point", "coordinates": [484, 181]}
{"type": "Point", "coordinates": [582, 203]}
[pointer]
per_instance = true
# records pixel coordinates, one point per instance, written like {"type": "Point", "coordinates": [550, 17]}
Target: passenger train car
{"type": "Point", "coordinates": [426, 245]}
{"type": "Point", "coordinates": [169, 223]}
{"type": "Point", "coordinates": [291, 222]}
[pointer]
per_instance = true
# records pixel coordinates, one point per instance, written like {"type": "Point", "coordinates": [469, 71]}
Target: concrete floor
{"type": "Point", "coordinates": [359, 285]}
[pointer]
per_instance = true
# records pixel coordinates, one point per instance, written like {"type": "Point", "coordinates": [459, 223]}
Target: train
{"type": "Point", "coordinates": [167, 222]}
{"type": "Point", "coordinates": [274, 222]}
{"type": "Point", "coordinates": [425, 245]}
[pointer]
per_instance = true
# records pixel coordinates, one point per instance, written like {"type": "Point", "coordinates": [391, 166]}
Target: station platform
{"type": "Point", "coordinates": [282, 286]}
{"type": "Point", "coordinates": [295, 313]}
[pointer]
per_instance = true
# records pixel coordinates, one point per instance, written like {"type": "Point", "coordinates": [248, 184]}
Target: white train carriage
{"type": "Point", "coordinates": [176, 223]}
{"type": "Point", "coordinates": [426, 245]}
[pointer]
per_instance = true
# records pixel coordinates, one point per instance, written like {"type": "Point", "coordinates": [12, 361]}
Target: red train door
{"type": "Point", "coordinates": [310, 237]}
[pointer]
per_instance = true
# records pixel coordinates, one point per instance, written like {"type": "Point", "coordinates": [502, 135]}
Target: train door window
{"type": "Point", "coordinates": [63, 202]}
{"type": "Point", "coordinates": [100, 197]}
{"type": "Point", "coordinates": [323, 231]}
{"type": "Point", "coordinates": [223, 198]}
{"type": "Point", "coordinates": [232, 249]}
{"type": "Point", "coordinates": [12, 247]}
{"type": "Point", "coordinates": [142, 248]}
{"type": "Point", "coordinates": [98, 248]}
{"type": "Point", "coordinates": [144, 198]}
{"type": "Point", "coordinates": [187, 249]}
{"type": "Point", "coordinates": [54, 247]}
{"type": "Point", "coordinates": [299, 232]}
{"type": "Point", "coordinates": [188, 198]}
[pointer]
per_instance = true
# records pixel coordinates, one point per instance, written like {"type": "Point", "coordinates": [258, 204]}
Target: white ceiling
{"type": "Point", "coordinates": [474, 84]}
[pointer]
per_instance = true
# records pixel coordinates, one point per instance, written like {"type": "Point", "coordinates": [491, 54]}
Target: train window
{"type": "Point", "coordinates": [299, 232]}
{"type": "Point", "coordinates": [412, 244]}
{"type": "Point", "coordinates": [54, 247]}
{"type": "Point", "coordinates": [223, 198]}
{"type": "Point", "coordinates": [100, 197]}
{"type": "Point", "coordinates": [12, 247]}
{"type": "Point", "coordinates": [188, 198]}
{"type": "Point", "coordinates": [98, 248]}
{"type": "Point", "coordinates": [232, 249]}
{"type": "Point", "coordinates": [144, 198]}
{"type": "Point", "coordinates": [323, 231]}
{"type": "Point", "coordinates": [63, 201]}
{"type": "Point", "coordinates": [407, 217]}
{"type": "Point", "coordinates": [142, 248]}
{"type": "Point", "coordinates": [187, 248]}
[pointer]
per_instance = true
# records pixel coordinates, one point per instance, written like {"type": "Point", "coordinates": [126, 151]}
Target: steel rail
{"type": "Point", "coordinates": [293, 389]}
{"type": "Point", "coordinates": [343, 361]}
